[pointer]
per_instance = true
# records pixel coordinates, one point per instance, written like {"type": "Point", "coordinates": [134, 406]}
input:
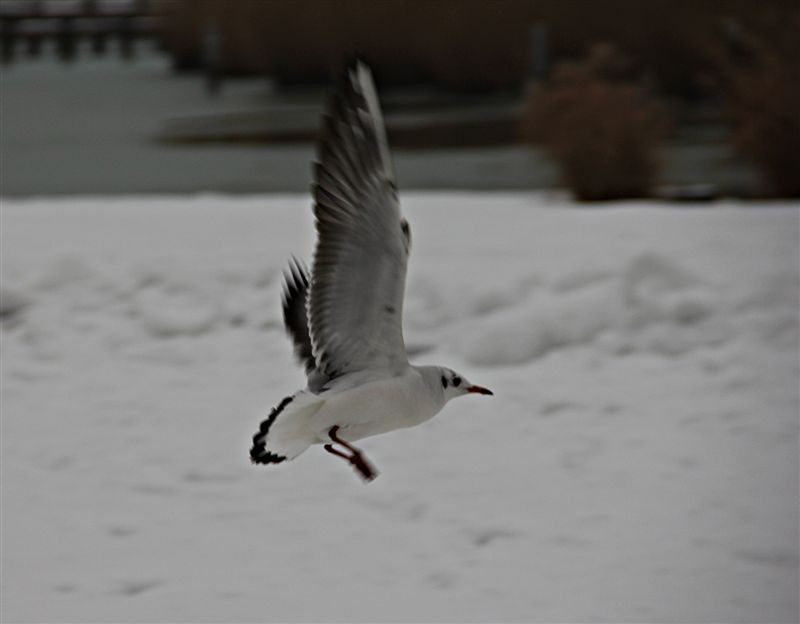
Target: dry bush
{"type": "Point", "coordinates": [600, 126]}
{"type": "Point", "coordinates": [758, 76]}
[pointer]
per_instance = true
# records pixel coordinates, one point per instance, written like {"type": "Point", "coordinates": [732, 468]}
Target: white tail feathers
{"type": "Point", "coordinates": [285, 433]}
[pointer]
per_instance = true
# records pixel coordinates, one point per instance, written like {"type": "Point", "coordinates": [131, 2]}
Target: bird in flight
{"type": "Point", "coordinates": [345, 318]}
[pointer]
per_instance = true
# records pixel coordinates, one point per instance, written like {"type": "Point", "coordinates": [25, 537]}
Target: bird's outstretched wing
{"type": "Point", "coordinates": [295, 319]}
{"type": "Point", "coordinates": [356, 295]}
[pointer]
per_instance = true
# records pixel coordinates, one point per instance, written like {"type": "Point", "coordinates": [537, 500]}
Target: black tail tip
{"type": "Point", "coordinates": [259, 455]}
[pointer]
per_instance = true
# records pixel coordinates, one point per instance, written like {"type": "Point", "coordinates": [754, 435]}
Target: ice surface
{"type": "Point", "coordinates": [638, 462]}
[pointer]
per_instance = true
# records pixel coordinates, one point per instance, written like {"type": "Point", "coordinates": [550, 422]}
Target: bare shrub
{"type": "Point", "coordinates": [599, 125]}
{"type": "Point", "coordinates": [758, 76]}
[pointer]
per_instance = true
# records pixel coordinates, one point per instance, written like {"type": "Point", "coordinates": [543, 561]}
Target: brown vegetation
{"type": "Point", "coordinates": [758, 75]}
{"type": "Point", "coordinates": [599, 125]}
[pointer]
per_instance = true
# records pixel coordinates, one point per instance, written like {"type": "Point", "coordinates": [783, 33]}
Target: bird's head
{"type": "Point", "coordinates": [454, 385]}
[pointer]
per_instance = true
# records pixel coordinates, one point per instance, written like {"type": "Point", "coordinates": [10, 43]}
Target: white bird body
{"type": "Point", "coordinates": [376, 407]}
{"type": "Point", "coordinates": [360, 411]}
{"type": "Point", "coordinates": [346, 319]}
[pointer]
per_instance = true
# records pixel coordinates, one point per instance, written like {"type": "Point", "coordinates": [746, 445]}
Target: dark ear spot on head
{"type": "Point", "coordinates": [456, 381]}
{"type": "Point", "coordinates": [444, 381]}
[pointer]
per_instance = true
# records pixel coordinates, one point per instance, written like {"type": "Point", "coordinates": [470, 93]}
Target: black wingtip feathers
{"type": "Point", "coordinates": [259, 453]}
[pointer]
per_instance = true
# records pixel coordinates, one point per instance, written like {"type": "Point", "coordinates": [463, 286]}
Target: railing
{"type": "Point", "coordinates": [68, 22]}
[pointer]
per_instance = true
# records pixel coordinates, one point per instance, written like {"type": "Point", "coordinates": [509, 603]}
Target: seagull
{"type": "Point", "coordinates": [345, 318]}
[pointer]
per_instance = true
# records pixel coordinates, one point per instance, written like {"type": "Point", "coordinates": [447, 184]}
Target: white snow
{"type": "Point", "coordinates": [638, 462]}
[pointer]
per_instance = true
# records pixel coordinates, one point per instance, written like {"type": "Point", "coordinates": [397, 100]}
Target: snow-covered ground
{"type": "Point", "coordinates": [638, 462]}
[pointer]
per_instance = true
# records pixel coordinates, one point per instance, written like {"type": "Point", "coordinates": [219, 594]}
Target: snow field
{"type": "Point", "coordinates": [639, 461]}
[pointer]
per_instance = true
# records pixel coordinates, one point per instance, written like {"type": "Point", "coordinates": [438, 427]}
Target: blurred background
{"type": "Point", "coordinates": [610, 99]}
{"type": "Point", "coordinates": [603, 203]}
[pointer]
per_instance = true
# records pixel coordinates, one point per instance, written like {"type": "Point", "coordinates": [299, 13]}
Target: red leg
{"type": "Point", "coordinates": [334, 451]}
{"type": "Point", "coordinates": [333, 435]}
{"type": "Point", "coordinates": [364, 468]}
{"type": "Point", "coordinates": [357, 459]}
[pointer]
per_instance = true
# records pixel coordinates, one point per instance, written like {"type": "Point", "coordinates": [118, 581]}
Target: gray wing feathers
{"type": "Point", "coordinates": [381, 144]}
{"type": "Point", "coordinates": [295, 292]}
{"type": "Point", "coordinates": [356, 293]}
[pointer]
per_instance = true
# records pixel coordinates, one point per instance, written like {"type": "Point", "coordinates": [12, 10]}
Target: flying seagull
{"type": "Point", "coordinates": [345, 319]}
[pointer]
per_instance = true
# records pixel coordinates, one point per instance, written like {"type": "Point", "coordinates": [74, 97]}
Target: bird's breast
{"type": "Point", "coordinates": [377, 407]}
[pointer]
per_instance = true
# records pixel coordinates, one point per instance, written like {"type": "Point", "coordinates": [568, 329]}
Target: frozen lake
{"type": "Point", "coordinates": [92, 127]}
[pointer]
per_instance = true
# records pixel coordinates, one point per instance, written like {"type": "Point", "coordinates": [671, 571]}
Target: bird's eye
{"type": "Point", "coordinates": [444, 381]}
{"type": "Point", "coordinates": [456, 381]}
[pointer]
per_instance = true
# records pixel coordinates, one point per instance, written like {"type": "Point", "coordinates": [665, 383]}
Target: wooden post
{"type": "Point", "coordinates": [99, 41]}
{"type": "Point", "coordinates": [65, 39]}
{"type": "Point", "coordinates": [8, 32]}
{"type": "Point", "coordinates": [539, 51]}
{"type": "Point", "coordinates": [212, 55]}
{"type": "Point", "coordinates": [96, 29]}
{"type": "Point", "coordinates": [126, 38]}
{"type": "Point", "coordinates": [33, 44]}
{"type": "Point", "coordinates": [33, 40]}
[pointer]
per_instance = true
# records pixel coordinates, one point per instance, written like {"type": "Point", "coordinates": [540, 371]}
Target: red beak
{"type": "Point", "coordinates": [479, 390]}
